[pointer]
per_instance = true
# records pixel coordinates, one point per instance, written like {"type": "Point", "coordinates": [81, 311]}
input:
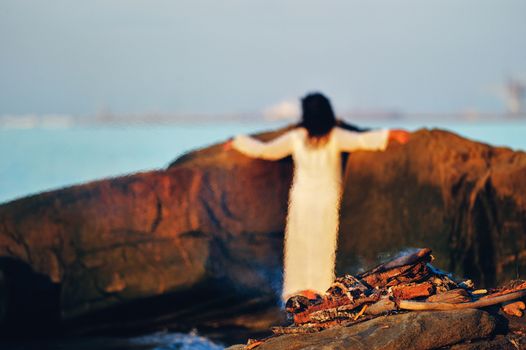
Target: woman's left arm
{"type": "Point", "coordinates": [377, 140]}
{"type": "Point", "coordinates": [275, 149]}
{"type": "Point", "coordinates": [349, 141]}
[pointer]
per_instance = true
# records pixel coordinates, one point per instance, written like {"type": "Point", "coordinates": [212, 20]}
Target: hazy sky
{"type": "Point", "coordinates": [231, 56]}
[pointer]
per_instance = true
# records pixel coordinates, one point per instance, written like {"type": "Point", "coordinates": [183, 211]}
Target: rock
{"type": "Point", "coordinates": [236, 347]}
{"type": "Point", "coordinates": [202, 240]}
{"type": "Point", "coordinates": [409, 331]}
{"type": "Point", "coordinates": [3, 298]}
{"type": "Point", "coordinates": [500, 342]}
{"type": "Point", "coordinates": [464, 199]}
{"type": "Point", "coordinates": [187, 234]}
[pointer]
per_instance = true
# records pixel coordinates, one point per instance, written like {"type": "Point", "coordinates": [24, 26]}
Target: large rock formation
{"type": "Point", "coordinates": [408, 331]}
{"type": "Point", "coordinates": [465, 200]}
{"type": "Point", "coordinates": [202, 240]}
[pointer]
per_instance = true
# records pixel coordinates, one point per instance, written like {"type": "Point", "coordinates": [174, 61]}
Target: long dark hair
{"type": "Point", "coordinates": [318, 117]}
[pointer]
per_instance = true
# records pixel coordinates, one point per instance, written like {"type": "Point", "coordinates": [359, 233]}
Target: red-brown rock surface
{"type": "Point", "coordinates": [206, 233]}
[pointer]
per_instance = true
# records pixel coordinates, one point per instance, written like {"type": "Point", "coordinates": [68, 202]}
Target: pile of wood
{"type": "Point", "coordinates": [407, 283]}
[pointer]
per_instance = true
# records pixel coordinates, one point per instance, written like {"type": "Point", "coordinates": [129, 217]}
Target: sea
{"type": "Point", "coordinates": [40, 159]}
{"type": "Point", "coordinates": [37, 159]}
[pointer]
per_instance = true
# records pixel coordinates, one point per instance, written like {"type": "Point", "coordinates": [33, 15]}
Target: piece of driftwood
{"type": "Point", "coordinates": [510, 287]}
{"type": "Point", "coordinates": [381, 307]}
{"type": "Point", "coordinates": [453, 296]}
{"type": "Point", "coordinates": [444, 283]}
{"type": "Point", "coordinates": [383, 273]}
{"type": "Point", "coordinates": [346, 286]}
{"type": "Point", "coordinates": [445, 301]}
{"type": "Point", "coordinates": [405, 260]}
{"type": "Point", "coordinates": [487, 301]}
{"type": "Point", "coordinates": [413, 290]}
{"type": "Point", "coordinates": [333, 309]}
{"type": "Point", "coordinates": [408, 283]}
{"type": "Point", "coordinates": [397, 275]}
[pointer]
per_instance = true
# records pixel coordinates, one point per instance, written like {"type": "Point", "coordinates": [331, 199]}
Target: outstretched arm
{"type": "Point", "coordinates": [277, 148]}
{"type": "Point", "coordinates": [349, 141]}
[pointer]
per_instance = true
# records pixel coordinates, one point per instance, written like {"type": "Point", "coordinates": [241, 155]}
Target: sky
{"type": "Point", "coordinates": [245, 56]}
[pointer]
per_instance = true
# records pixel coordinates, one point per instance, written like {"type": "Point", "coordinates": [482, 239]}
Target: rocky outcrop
{"type": "Point", "coordinates": [410, 331]}
{"type": "Point", "coordinates": [202, 240]}
{"type": "Point", "coordinates": [465, 200]}
{"type": "Point", "coordinates": [467, 329]}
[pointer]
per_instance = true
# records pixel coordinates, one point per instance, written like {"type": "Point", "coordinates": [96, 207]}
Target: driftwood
{"type": "Point", "coordinates": [408, 283]}
{"type": "Point", "coordinates": [405, 260]}
{"type": "Point", "coordinates": [320, 313]}
{"type": "Point", "coordinates": [420, 306]}
{"type": "Point", "coordinates": [381, 307]}
{"type": "Point", "coordinates": [453, 296]}
{"type": "Point", "coordinates": [413, 290]}
{"type": "Point", "coordinates": [411, 267]}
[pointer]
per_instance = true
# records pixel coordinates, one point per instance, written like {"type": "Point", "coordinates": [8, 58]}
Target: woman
{"type": "Point", "coordinates": [313, 217]}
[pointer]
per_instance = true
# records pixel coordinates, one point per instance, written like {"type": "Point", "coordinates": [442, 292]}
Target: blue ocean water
{"type": "Point", "coordinates": [40, 159]}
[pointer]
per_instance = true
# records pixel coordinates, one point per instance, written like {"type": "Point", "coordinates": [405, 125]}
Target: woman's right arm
{"type": "Point", "coordinates": [275, 149]}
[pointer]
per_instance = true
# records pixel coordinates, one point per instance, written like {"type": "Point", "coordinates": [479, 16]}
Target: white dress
{"type": "Point", "coordinates": [311, 231]}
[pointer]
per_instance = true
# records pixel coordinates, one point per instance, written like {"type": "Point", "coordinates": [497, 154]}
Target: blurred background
{"type": "Point", "coordinates": [100, 88]}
